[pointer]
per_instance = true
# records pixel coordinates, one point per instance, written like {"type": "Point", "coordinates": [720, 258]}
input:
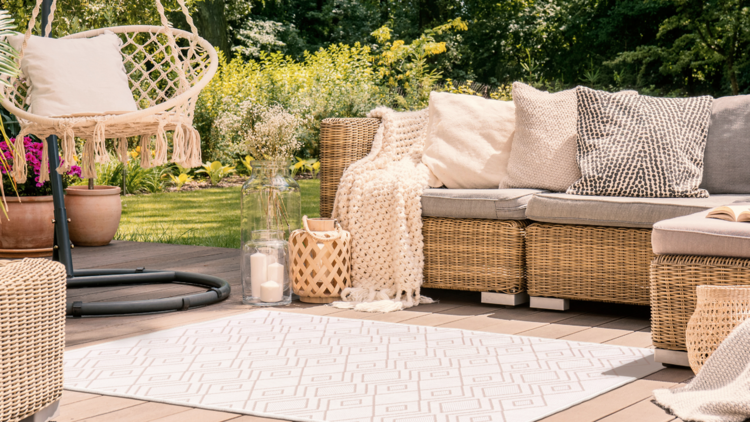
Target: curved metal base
{"type": "Point", "coordinates": [219, 290]}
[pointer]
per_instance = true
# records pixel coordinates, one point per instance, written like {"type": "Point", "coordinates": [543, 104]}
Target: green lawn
{"type": "Point", "coordinates": [208, 217]}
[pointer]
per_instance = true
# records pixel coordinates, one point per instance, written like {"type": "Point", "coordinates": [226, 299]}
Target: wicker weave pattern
{"type": "Point", "coordinates": [32, 336]}
{"type": "Point", "coordinates": [342, 142]}
{"type": "Point", "coordinates": [720, 309]}
{"type": "Point", "coordinates": [604, 264]}
{"type": "Point", "coordinates": [674, 280]}
{"type": "Point", "coordinates": [474, 255]}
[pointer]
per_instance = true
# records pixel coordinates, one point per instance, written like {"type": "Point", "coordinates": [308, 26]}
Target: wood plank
{"type": "Point", "coordinates": [199, 415]}
{"type": "Point", "coordinates": [469, 310]}
{"type": "Point", "coordinates": [145, 412]}
{"type": "Point", "coordinates": [475, 323]}
{"type": "Point", "coordinates": [631, 324]}
{"type": "Point", "coordinates": [434, 320]}
{"type": "Point", "coordinates": [596, 335]}
{"type": "Point", "coordinates": [635, 339]}
{"type": "Point", "coordinates": [532, 315]}
{"type": "Point", "coordinates": [589, 320]}
{"type": "Point", "coordinates": [70, 397]}
{"type": "Point", "coordinates": [94, 407]}
{"type": "Point", "coordinates": [512, 327]}
{"type": "Point", "coordinates": [643, 411]}
{"type": "Point", "coordinates": [393, 317]}
{"type": "Point", "coordinates": [553, 331]}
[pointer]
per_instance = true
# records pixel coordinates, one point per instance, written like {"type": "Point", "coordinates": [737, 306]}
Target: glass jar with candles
{"type": "Point", "coordinates": [265, 274]}
{"type": "Point", "coordinates": [271, 210]}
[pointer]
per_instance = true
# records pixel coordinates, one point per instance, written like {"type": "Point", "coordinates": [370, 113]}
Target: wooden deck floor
{"type": "Point", "coordinates": [600, 323]}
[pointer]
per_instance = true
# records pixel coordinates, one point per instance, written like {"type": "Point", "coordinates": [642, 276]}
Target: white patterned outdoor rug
{"type": "Point", "coordinates": [314, 368]}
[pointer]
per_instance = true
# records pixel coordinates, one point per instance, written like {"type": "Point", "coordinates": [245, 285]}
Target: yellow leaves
{"type": "Point", "coordinates": [435, 48]}
{"type": "Point", "coordinates": [382, 34]}
{"type": "Point", "coordinates": [180, 180]}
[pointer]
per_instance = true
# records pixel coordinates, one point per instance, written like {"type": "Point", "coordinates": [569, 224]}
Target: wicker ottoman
{"type": "Point", "coordinates": [683, 246]}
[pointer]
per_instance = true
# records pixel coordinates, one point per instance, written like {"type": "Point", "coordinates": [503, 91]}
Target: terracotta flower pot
{"type": "Point", "coordinates": [94, 214]}
{"type": "Point", "coordinates": [30, 231]}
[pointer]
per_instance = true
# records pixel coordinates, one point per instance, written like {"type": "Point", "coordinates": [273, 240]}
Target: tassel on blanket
{"type": "Point", "coordinates": [68, 149]}
{"type": "Point", "coordinates": [146, 151]}
{"type": "Point", "coordinates": [44, 168]}
{"type": "Point", "coordinates": [161, 147]}
{"type": "Point", "coordinates": [100, 146]}
{"type": "Point", "coordinates": [19, 158]}
{"type": "Point", "coordinates": [178, 145]}
{"type": "Point", "coordinates": [88, 160]}
{"type": "Point", "coordinates": [122, 150]}
{"type": "Point", "coordinates": [370, 300]}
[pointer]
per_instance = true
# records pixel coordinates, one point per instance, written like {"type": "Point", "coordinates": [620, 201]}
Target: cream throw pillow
{"type": "Point", "coordinates": [468, 140]}
{"type": "Point", "coordinates": [78, 76]}
{"type": "Point", "coordinates": [544, 148]}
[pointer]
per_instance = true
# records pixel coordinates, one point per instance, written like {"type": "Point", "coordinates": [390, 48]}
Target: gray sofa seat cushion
{"type": "Point", "coordinates": [491, 204]}
{"type": "Point", "coordinates": [725, 162]}
{"type": "Point", "coordinates": [617, 211]}
{"type": "Point", "coordinates": [695, 234]}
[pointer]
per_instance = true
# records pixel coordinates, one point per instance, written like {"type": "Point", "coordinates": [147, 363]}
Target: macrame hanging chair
{"type": "Point", "coordinates": [166, 68]}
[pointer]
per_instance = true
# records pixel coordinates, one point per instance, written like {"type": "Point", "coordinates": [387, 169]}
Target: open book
{"type": "Point", "coordinates": [731, 213]}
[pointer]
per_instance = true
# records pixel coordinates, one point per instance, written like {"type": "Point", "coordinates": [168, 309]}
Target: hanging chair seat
{"type": "Point", "coordinates": [166, 68]}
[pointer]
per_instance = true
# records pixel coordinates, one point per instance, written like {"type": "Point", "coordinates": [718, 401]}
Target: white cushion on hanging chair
{"type": "Point", "coordinates": [75, 76]}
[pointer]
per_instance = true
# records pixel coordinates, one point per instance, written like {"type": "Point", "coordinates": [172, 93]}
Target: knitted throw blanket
{"type": "Point", "coordinates": [379, 203]}
{"type": "Point", "coordinates": [721, 390]}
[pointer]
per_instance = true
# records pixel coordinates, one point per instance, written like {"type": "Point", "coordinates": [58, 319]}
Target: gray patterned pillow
{"type": "Point", "coordinates": [639, 146]}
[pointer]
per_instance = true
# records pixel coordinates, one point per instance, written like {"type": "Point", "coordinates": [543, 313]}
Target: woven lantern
{"type": "Point", "coordinates": [320, 260]}
{"type": "Point", "coordinates": [719, 310]}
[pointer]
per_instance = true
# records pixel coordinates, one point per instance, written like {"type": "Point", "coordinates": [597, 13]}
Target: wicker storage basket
{"type": "Point", "coordinates": [718, 311]}
{"type": "Point", "coordinates": [32, 336]}
{"type": "Point", "coordinates": [342, 142]}
{"type": "Point", "coordinates": [674, 280]}
{"type": "Point", "coordinates": [605, 264]}
{"type": "Point", "coordinates": [321, 264]}
{"type": "Point", "coordinates": [475, 255]}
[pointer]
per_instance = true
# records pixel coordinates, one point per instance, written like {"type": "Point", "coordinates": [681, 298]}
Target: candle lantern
{"type": "Point", "coordinates": [320, 260]}
{"type": "Point", "coordinates": [265, 275]}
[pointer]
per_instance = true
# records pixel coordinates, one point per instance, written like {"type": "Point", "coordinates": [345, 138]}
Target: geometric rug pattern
{"type": "Point", "coordinates": [315, 368]}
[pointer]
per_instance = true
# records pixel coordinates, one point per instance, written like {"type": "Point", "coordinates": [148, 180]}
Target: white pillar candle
{"type": "Point", "coordinates": [271, 291]}
{"type": "Point", "coordinates": [275, 273]}
{"type": "Point", "coordinates": [258, 272]}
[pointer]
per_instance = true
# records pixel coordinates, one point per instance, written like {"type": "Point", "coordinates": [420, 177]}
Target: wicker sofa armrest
{"type": "Point", "coordinates": [32, 336]}
{"type": "Point", "coordinates": [342, 142]}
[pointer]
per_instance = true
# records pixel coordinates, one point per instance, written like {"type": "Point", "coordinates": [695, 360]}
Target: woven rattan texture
{"type": "Point", "coordinates": [474, 255]}
{"type": "Point", "coordinates": [32, 336]}
{"type": "Point", "coordinates": [604, 264]}
{"type": "Point", "coordinates": [674, 280]}
{"type": "Point", "coordinates": [719, 310]}
{"type": "Point", "coordinates": [342, 142]}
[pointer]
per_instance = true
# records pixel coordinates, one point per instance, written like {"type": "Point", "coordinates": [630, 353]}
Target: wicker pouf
{"type": "Point", "coordinates": [719, 310]}
{"type": "Point", "coordinates": [321, 263]}
{"type": "Point", "coordinates": [674, 279]}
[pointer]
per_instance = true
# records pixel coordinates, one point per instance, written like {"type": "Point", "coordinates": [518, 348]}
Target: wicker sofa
{"type": "Point", "coordinates": [508, 243]}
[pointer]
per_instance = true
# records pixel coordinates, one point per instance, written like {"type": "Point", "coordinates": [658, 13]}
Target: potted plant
{"type": "Point", "coordinates": [94, 213]}
{"type": "Point", "coordinates": [28, 228]}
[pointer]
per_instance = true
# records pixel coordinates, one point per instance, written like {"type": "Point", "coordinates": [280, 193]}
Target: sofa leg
{"type": "Point", "coordinates": [43, 415]}
{"type": "Point", "coordinates": [550, 303]}
{"type": "Point", "coordinates": [672, 357]}
{"type": "Point", "coordinates": [504, 298]}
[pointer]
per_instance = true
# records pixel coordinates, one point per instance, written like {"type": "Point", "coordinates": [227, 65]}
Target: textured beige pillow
{"type": "Point", "coordinates": [468, 140]}
{"type": "Point", "coordinates": [77, 76]}
{"type": "Point", "coordinates": [544, 148]}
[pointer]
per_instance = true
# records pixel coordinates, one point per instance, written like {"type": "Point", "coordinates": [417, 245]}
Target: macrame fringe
{"type": "Point", "coordinates": [44, 170]}
{"type": "Point", "coordinates": [161, 148]}
{"type": "Point", "coordinates": [100, 146]}
{"type": "Point", "coordinates": [146, 151]}
{"type": "Point", "coordinates": [19, 158]}
{"type": "Point", "coordinates": [122, 150]}
{"type": "Point", "coordinates": [68, 149]}
{"type": "Point", "coordinates": [178, 145]}
{"type": "Point", "coordinates": [88, 161]}
{"type": "Point", "coordinates": [193, 154]}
